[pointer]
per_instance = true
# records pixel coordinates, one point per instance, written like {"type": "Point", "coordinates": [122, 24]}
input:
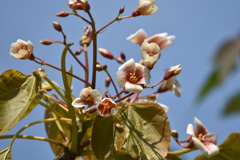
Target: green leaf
{"type": "Point", "coordinates": [52, 129]}
{"type": "Point", "coordinates": [69, 78]}
{"type": "Point", "coordinates": [103, 138]}
{"type": "Point", "coordinates": [5, 154]}
{"type": "Point", "coordinates": [172, 157]}
{"type": "Point", "coordinates": [228, 150]}
{"type": "Point", "coordinates": [149, 130]}
{"type": "Point", "coordinates": [210, 83]}
{"type": "Point", "coordinates": [233, 105]}
{"type": "Point", "coordinates": [19, 94]}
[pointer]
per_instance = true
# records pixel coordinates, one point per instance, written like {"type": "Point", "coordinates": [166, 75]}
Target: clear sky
{"type": "Point", "coordinates": [200, 27]}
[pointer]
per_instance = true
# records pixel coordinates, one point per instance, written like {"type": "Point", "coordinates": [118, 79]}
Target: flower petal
{"type": "Point", "coordinates": [200, 146]}
{"type": "Point", "coordinates": [135, 88]}
{"type": "Point", "coordinates": [78, 103]}
{"type": "Point", "coordinates": [190, 130]}
{"type": "Point", "coordinates": [176, 91]}
{"type": "Point", "coordinates": [121, 78]}
{"type": "Point", "coordinates": [210, 138]}
{"type": "Point", "coordinates": [138, 37]}
{"type": "Point", "coordinates": [200, 128]}
{"type": "Point", "coordinates": [212, 149]}
{"type": "Point", "coordinates": [128, 66]}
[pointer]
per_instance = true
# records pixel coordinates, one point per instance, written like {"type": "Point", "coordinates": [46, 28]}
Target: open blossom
{"type": "Point", "coordinates": [170, 84]}
{"type": "Point", "coordinates": [131, 74]}
{"type": "Point", "coordinates": [161, 39]}
{"type": "Point", "coordinates": [88, 96]}
{"type": "Point", "coordinates": [105, 107]}
{"type": "Point", "coordinates": [202, 139]}
{"type": "Point", "coordinates": [146, 7]}
{"type": "Point", "coordinates": [22, 50]}
{"type": "Point", "coordinates": [150, 54]}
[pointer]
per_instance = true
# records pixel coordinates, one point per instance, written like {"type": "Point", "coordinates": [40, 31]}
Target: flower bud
{"type": "Point", "coordinates": [107, 81]}
{"type": "Point", "coordinates": [46, 42]}
{"type": "Point", "coordinates": [122, 55]}
{"type": "Point", "coordinates": [78, 52]}
{"type": "Point", "coordinates": [174, 134]}
{"type": "Point", "coordinates": [99, 67]}
{"type": "Point", "coordinates": [173, 71]}
{"type": "Point", "coordinates": [121, 10]}
{"type": "Point", "coordinates": [104, 67]}
{"type": "Point", "coordinates": [57, 26]}
{"type": "Point", "coordinates": [119, 60]}
{"type": "Point", "coordinates": [105, 53]}
{"type": "Point", "coordinates": [62, 14]}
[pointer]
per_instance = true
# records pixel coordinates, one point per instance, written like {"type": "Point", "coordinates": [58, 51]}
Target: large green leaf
{"type": "Point", "coordinates": [229, 149]}
{"type": "Point", "coordinates": [19, 94]}
{"type": "Point", "coordinates": [5, 154]}
{"type": "Point", "coordinates": [149, 130]}
{"type": "Point", "coordinates": [52, 129]}
{"type": "Point", "coordinates": [233, 105]}
{"type": "Point", "coordinates": [104, 137]}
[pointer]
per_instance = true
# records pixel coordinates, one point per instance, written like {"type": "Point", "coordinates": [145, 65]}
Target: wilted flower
{"type": "Point", "coordinates": [170, 84]}
{"type": "Point", "coordinates": [105, 107]}
{"type": "Point", "coordinates": [88, 96]}
{"type": "Point", "coordinates": [130, 75]}
{"type": "Point", "coordinates": [146, 7]}
{"type": "Point", "coordinates": [150, 54]}
{"type": "Point", "coordinates": [22, 50]}
{"type": "Point", "coordinates": [202, 139]}
{"type": "Point", "coordinates": [161, 39]}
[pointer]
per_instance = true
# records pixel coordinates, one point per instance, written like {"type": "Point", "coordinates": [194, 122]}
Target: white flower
{"type": "Point", "coordinates": [146, 7]}
{"type": "Point", "coordinates": [161, 39]}
{"type": "Point", "coordinates": [130, 75]}
{"type": "Point", "coordinates": [150, 54]}
{"type": "Point", "coordinates": [88, 96]}
{"type": "Point", "coordinates": [22, 50]}
{"type": "Point", "coordinates": [202, 139]}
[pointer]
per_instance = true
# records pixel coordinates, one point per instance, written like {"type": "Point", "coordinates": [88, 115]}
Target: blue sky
{"type": "Point", "coordinates": [200, 27]}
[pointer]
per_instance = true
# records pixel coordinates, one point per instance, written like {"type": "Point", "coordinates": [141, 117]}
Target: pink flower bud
{"type": "Point", "coordinates": [62, 14]}
{"type": "Point", "coordinates": [46, 42]}
{"type": "Point", "coordinates": [57, 26]}
{"type": "Point", "coordinates": [78, 52]}
{"type": "Point", "coordinates": [119, 60]}
{"type": "Point", "coordinates": [105, 53]}
{"type": "Point", "coordinates": [107, 81]}
{"type": "Point", "coordinates": [121, 10]}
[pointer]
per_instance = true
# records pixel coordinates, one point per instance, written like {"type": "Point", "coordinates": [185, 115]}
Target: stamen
{"type": "Point", "coordinates": [133, 78]}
